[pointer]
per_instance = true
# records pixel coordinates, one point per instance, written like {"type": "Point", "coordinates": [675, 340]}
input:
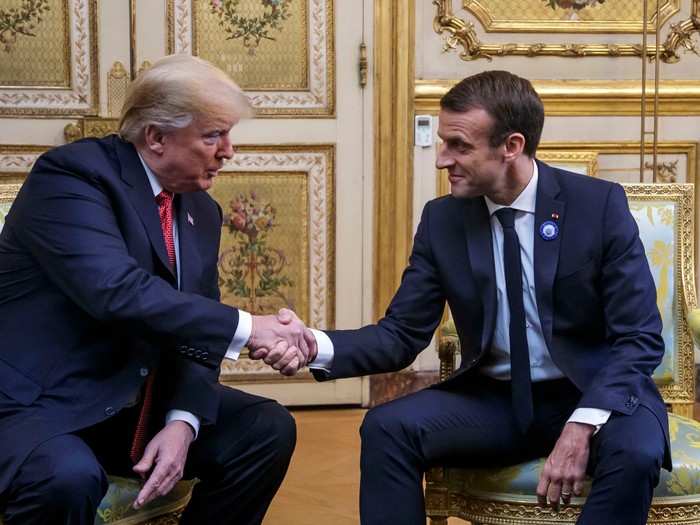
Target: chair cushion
{"type": "Point", "coordinates": [522, 479]}
{"type": "Point", "coordinates": [115, 508]}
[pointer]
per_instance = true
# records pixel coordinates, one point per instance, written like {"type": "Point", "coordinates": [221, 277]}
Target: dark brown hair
{"type": "Point", "coordinates": [511, 101]}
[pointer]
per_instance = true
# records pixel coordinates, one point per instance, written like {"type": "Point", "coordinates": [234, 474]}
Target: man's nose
{"type": "Point", "coordinates": [443, 160]}
{"type": "Point", "coordinates": [226, 149]}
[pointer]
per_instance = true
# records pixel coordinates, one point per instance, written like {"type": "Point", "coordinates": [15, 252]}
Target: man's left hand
{"type": "Point", "coordinates": [565, 468]}
{"type": "Point", "coordinates": [165, 458]}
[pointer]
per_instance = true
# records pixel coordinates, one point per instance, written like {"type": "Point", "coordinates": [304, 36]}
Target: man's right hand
{"type": "Point", "coordinates": [282, 341]}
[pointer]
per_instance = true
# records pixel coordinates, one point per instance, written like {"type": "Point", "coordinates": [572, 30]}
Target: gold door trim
{"type": "Point", "coordinates": [394, 45]}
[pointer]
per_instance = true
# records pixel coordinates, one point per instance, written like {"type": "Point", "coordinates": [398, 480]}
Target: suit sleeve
{"type": "Point", "coordinates": [408, 325]}
{"type": "Point", "coordinates": [632, 320]}
{"type": "Point", "coordinates": [68, 224]}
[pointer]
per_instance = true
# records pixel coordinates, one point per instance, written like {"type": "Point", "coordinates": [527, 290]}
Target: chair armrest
{"type": "Point", "coordinates": [448, 347]}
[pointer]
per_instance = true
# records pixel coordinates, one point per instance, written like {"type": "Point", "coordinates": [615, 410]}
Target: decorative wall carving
{"type": "Point", "coordinates": [558, 16]}
{"type": "Point", "coordinates": [459, 32]}
{"type": "Point", "coordinates": [281, 54]}
{"type": "Point", "coordinates": [50, 59]}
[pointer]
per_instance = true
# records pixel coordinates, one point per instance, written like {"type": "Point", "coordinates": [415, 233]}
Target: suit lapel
{"type": "Point", "coordinates": [480, 250]}
{"type": "Point", "coordinates": [190, 260]}
{"type": "Point", "coordinates": [546, 253]}
{"type": "Point", "coordinates": [141, 195]}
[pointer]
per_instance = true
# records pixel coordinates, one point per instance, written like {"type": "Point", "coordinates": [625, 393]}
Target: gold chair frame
{"type": "Point", "coordinates": [446, 493]}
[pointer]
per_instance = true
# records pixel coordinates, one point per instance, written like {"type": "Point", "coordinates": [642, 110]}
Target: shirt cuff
{"type": "Point", "coordinates": [240, 338]}
{"type": "Point", "coordinates": [324, 357]}
{"type": "Point", "coordinates": [187, 417]}
{"type": "Point", "coordinates": [590, 416]}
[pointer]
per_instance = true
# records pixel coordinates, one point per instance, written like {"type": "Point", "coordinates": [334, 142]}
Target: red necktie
{"type": "Point", "coordinates": [165, 210]}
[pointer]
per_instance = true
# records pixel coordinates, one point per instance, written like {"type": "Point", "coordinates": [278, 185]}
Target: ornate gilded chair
{"type": "Point", "coordinates": [504, 496]}
{"type": "Point", "coordinates": [115, 508]}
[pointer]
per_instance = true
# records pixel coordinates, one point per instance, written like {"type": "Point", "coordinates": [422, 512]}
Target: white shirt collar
{"type": "Point", "coordinates": [155, 185]}
{"type": "Point", "coordinates": [525, 201]}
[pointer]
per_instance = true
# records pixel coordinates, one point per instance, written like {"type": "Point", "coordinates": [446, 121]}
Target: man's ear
{"type": "Point", "coordinates": [154, 139]}
{"type": "Point", "coordinates": [513, 146]}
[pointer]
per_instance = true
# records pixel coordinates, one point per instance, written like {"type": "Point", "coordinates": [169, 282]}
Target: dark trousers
{"type": "Point", "coordinates": [473, 426]}
{"type": "Point", "coordinates": [240, 462]}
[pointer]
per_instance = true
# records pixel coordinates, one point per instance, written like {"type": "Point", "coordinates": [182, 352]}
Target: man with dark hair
{"type": "Point", "coordinates": [555, 307]}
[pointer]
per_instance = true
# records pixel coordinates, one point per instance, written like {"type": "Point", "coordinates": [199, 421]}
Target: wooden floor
{"type": "Point", "coordinates": [322, 485]}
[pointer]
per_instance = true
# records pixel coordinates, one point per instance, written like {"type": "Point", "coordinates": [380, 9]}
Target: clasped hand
{"type": "Point", "coordinates": [282, 341]}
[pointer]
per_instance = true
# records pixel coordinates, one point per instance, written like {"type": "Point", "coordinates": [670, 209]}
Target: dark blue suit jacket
{"type": "Point", "coordinates": [87, 300]}
{"type": "Point", "coordinates": [595, 295]}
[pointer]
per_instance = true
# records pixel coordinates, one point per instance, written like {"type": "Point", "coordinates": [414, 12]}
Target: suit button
{"type": "Point", "coordinates": [110, 411]}
{"type": "Point", "coordinates": [205, 354]}
{"type": "Point", "coordinates": [143, 372]}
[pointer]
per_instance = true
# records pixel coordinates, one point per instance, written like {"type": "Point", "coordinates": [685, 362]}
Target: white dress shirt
{"type": "Point", "coordinates": [497, 362]}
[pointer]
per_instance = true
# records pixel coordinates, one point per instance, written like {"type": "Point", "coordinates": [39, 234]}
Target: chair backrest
{"type": "Point", "coordinates": [665, 216]}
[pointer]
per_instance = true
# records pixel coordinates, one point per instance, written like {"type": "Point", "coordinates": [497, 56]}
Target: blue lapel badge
{"type": "Point", "coordinates": [549, 230]}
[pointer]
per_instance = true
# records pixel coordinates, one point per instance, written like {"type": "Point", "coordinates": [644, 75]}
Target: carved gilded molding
{"type": "Point", "coordinates": [458, 32]}
{"type": "Point", "coordinates": [81, 96]}
{"type": "Point", "coordinates": [394, 33]}
{"type": "Point", "coordinates": [318, 100]}
{"type": "Point", "coordinates": [587, 97]}
{"type": "Point", "coordinates": [492, 23]}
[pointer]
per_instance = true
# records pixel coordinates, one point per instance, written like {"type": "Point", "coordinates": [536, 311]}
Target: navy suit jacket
{"type": "Point", "coordinates": [88, 302]}
{"type": "Point", "coordinates": [595, 295]}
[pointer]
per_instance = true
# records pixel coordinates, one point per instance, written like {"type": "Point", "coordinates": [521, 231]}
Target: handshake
{"type": "Point", "coordinates": [282, 341]}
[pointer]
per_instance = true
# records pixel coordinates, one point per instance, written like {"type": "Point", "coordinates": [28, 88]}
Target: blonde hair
{"type": "Point", "coordinates": [175, 91]}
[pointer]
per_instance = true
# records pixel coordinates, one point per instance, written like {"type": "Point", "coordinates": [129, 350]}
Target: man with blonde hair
{"type": "Point", "coordinates": [113, 333]}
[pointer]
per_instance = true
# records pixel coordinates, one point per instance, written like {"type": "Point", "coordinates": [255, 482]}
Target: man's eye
{"type": "Point", "coordinates": [212, 138]}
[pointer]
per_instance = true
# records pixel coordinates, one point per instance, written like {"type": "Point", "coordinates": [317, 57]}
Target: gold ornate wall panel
{"type": "Point", "coordinates": [278, 242]}
{"type": "Point", "coordinates": [282, 54]}
{"type": "Point", "coordinates": [48, 57]}
{"type": "Point", "coordinates": [466, 29]}
{"type": "Point", "coordinates": [615, 16]}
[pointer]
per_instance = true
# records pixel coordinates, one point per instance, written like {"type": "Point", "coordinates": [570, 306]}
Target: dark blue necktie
{"type": "Point", "coordinates": [521, 388]}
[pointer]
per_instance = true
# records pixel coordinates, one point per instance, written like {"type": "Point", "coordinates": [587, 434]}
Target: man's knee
{"type": "Point", "coordinates": [277, 426]}
{"type": "Point", "coordinates": [381, 424]}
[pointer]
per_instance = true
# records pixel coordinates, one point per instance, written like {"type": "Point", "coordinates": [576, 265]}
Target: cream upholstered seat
{"type": "Point", "coordinates": [664, 214]}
